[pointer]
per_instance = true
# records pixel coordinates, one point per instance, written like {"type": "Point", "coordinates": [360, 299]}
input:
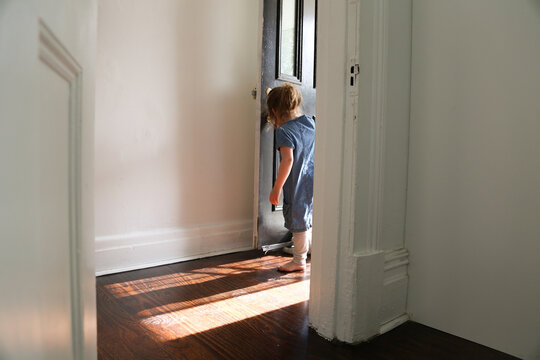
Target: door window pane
{"type": "Point", "coordinates": [288, 38]}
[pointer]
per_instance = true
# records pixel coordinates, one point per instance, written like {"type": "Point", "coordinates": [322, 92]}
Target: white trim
{"type": "Point", "coordinates": [350, 132]}
{"type": "Point", "coordinates": [355, 284]}
{"type": "Point", "coordinates": [53, 54]}
{"type": "Point", "coordinates": [393, 308]}
{"type": "Point", "coordinates": [169, 261]}
{"type": "Point", "coordinates": [392, 324]}
{"type": "Point", "coordinates": [395, 278]}
{"type": "Point", "coordinates": [138, 250]}
{"type": "Point", "coordinates": [347, 282]}
{"type": "Point", "coordinates": [378, 122]}
{"type": "Point", "coordinates": [395, 258]}
{"type": "Point", "coordinates": [327, 206]}
{"type": "Point", "coordinates": [361, 264]}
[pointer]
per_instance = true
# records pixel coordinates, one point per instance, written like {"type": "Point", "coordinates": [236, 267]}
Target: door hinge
{"type": "Point", "coordinates": [254, 93]}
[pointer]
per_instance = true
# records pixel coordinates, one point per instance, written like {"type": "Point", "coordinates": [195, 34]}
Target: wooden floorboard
{"type": "Point", "coordinates": [238, 306]}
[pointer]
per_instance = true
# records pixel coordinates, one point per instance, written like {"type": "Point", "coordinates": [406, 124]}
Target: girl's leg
{"type": "Point", "coordinates": [290, 249]}
{"type": "Point", "coordinates": [301, 247]}
{"type": "Point", "coordinates": [309, 237]}
{"type": "Point", "coordinates": [302, 241]}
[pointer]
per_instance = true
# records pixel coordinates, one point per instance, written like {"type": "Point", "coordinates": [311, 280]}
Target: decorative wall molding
{"type": "Point", "coordinates": [54, 54]}
{"type": "Point", "coordinates": [397, 258]}
{"type": "Point", "coordinates": [393, 310]}
{"type": "Point", "coordinates": [361, 292]}
{"type": "Point", "coordinates": [140, 250]}
{"type": "Point", "coordinates": [379, 93]}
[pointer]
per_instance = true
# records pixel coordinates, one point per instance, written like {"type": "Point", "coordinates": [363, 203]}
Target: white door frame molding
{"type": "Point", "coordinates": [48, 306]}
{"type": "Point", "coordinates": [258, 111]}
{"type": "Point", "coordinates": [55, 55]}
{"type": "Point", "coordinates": [351, 269]}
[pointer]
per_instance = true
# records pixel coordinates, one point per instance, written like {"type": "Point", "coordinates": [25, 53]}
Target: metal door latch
{"type": "Point", "coordinates": [355, 70]}
{"type": "Point", "coordinates": [254, 93]}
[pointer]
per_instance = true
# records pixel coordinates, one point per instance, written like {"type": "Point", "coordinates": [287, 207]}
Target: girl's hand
{"type": "Point", "coordinates": [274, 195]}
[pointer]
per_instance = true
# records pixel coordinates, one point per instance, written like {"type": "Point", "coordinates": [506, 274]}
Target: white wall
{"type": "Point", "coordinates": [174, 129]}
{"type": "Point", "coordinates": [473, 214]}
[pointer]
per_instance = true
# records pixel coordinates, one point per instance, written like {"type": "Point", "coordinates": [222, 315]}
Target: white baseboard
{"type": "Point", "coordinates": [394, 323]}
{"type": "Point", "coordinates": [140, 250]}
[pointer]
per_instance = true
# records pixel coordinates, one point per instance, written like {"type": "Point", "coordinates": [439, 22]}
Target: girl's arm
{"type": "Point", "coordinates": [283, 172]}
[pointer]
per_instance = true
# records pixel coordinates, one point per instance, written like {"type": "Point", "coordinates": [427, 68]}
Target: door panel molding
{"type": "Point", "coordinates": [55, 55]}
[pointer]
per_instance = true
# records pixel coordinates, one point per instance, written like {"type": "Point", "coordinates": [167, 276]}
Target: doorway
{"type": "Point", "coordinates": [288, 54]}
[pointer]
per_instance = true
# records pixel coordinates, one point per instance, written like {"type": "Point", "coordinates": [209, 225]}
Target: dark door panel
{"type": "Point", "coordinates": [288, 55]}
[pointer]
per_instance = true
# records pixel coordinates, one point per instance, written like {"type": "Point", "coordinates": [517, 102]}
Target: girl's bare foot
{"type": "Point", "coordinates": [291, 266]}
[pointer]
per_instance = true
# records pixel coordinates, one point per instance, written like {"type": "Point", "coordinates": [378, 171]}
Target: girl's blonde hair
{"type": "Point", "coordinates": [282, 101]}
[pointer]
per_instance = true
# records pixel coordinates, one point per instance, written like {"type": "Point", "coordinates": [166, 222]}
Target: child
{"type": "Point", "coordinates": [295, 139]}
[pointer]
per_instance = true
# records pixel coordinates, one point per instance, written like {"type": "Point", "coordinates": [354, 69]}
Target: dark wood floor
{"type": "Point", "coordinates": [239, 306]}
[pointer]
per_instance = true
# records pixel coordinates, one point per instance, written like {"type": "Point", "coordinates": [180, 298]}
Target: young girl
{"type": "Point", "coordinates": [295, 139]}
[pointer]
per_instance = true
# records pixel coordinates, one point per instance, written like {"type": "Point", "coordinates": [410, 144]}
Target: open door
{"type": "Point", "coordinates": [288, 55]}
{"type": "Point", "coordinates": [47, 304]}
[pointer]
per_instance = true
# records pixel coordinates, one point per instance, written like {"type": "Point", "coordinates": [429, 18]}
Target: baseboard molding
{"type": "Point", "coordinates": [140, 250]}
{"type": "Point", "coordinates": [394, 323]}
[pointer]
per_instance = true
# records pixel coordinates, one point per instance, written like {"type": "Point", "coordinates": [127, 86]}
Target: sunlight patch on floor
{"type": "Point", "coordinates": [196, 276]}
{"type": "Point", "coordinates": [136, 287]}
{"type": "Point", "coordinates": [181, 305]}
{"type": "Point", "coordinates": [196, 319]}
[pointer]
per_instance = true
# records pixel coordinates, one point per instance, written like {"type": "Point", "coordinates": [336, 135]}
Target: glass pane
{"type": "Point", "coordinates": [288, 37]}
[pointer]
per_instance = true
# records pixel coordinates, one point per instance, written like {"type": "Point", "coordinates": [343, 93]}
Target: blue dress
{"type": "Point", "coordinates": [298, 134]}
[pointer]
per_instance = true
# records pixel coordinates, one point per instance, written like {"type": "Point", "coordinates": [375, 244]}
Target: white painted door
{"type": "Point", "coordinates": [47, 302]}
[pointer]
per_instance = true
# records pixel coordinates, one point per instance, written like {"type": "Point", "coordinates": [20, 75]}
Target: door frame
{"type": "Point", "coordinates": [350, 269]}
{"type": "Point", "coordinates": [358, 281]}
{"type": "Point", "coordinates": [257, 133]}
